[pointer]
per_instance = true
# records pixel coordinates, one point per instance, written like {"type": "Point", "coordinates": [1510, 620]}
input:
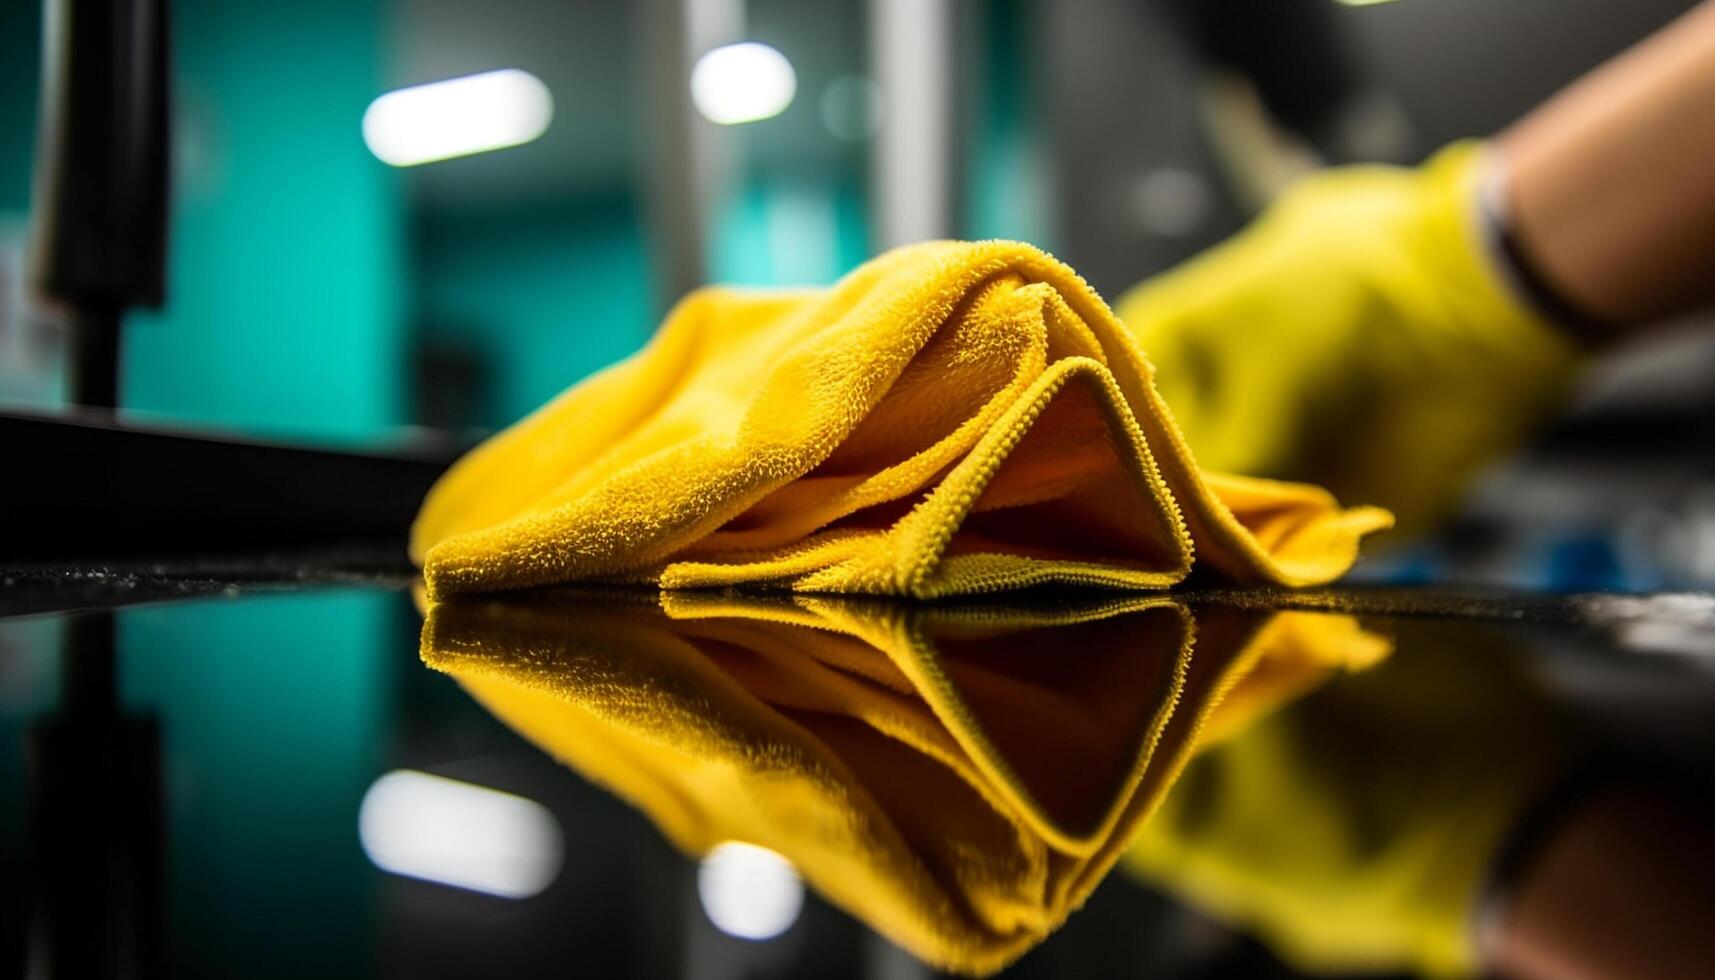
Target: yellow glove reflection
{"type": "Point", "coordinates": [1355, 830]}
{"type": "Point", "coordinates": [1356, 335]}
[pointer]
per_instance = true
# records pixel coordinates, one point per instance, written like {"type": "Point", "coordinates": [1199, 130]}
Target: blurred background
{"type": "Point", "coordinates": [349, 267]}
{"type": "Point", "coordinates": [356, 261]}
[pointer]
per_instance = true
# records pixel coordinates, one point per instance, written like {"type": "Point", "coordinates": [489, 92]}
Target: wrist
{"type": "Point", "coordinates": [1490, 315]}
{"type": "Point", "coordinates": [1517, 268]}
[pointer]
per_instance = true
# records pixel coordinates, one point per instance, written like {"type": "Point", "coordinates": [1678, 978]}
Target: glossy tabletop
{"type": "Point", "coordinates": [284, 774]}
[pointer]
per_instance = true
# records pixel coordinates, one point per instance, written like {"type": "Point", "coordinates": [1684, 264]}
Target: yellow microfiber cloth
{"type": "Point", "coordinates": [950, 418]}
{"type": "Point", "coordinates": [960, 778]}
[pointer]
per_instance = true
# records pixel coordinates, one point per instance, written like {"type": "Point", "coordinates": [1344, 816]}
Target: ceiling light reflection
{"type": "Point", "coordinates": [749, 891]}
{"type": "Point", "coordinates": [459, 834]}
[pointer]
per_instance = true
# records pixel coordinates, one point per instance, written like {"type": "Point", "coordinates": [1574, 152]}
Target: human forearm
{"type": "Point", "coordinates": [1610, 185]}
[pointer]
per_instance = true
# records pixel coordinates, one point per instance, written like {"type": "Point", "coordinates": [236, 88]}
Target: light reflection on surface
{"type": "Point", "coordinates": [749, 891]}
{"type": "Point", "coordinates": [960, 777]}
{"type": "Point", "coordinates": [459, 834]}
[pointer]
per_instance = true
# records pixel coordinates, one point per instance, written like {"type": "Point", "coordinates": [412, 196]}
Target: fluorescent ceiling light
{"type": "Point", "coordinates": [749, 891]}
{"type": "Point", "coordinates": [741, 83]}
{"type": "Point", "coordinates": [459, 834]}
{"type": "Point", "coordinates": [457, 117]}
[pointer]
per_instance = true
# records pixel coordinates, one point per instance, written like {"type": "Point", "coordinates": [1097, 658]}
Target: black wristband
{"type": "Point", "coordinates": [1518, 268]}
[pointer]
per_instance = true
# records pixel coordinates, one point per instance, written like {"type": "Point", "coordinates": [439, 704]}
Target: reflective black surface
{"type": "Point", "coordinates": [1347, 780]}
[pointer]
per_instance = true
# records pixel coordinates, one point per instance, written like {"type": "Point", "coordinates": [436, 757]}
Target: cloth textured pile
{"type": "Point", "coordinates": [951, 418]}
{"type": "Point", "coordinates": [910, 761]}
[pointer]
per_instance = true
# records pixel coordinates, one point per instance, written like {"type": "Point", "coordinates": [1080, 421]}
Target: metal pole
{"type": "Point", "coordinates": [100, 209]}
{"type": "Point", "coordinates": [911, 56]}
{"type": "Point", "coordinates": [688, 159]}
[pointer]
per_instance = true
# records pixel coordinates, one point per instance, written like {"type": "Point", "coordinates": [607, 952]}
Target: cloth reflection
{"type": "Point", "coordinates": [959, 777]}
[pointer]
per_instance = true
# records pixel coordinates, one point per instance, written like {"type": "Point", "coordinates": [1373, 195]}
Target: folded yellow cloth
{"type": "Point", "coordinates": [960, 778]}
{"type": "Point", "coordinates": [950, 418]}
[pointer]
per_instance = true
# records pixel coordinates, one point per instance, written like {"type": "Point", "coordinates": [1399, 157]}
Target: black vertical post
{"type": "Point", "coordinates": [97, 838]}
{"type": "Point", "coordinates": [100, 209]}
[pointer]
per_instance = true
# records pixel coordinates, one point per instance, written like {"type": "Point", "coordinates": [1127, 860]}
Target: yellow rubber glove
{"type": "Point", "coordinates": [1357, 335]}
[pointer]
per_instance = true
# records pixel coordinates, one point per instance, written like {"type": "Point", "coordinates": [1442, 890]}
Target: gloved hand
{"type": "Point", "coordinates": [1358, 336]}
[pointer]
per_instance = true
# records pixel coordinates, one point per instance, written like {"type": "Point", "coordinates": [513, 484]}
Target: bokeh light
{"type": "Point", "coordinates": [749, 891]}
{"type": "Point", "coordinates": [740, 83]}
{"type": "Point", "coordinates": [460, 834]}
{"type": "Point", "coordinates": [457, 117]}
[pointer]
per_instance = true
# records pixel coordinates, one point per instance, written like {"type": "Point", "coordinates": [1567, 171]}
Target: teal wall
{"type": "Point", "coordinates": [538, 295]}
{"type": "Point", "coordinates": [286, 277]}
{"type": "Point", "coordinates": [1005, 186]}
{"type": "Point", "coordinates": [273, 711]}
{"type": "Point", "coordinates": [797, 229]}
{"type": "Point", "coordinates": [286, 271]}
{"type": "Point", "coordinates": [20, 68]}
{"type": "Point", "coordinates": [542, 295]}
{"type": "Point", "coordinates": [300, 287]}
{"type": "Point", "coordinates": [275, 716]}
